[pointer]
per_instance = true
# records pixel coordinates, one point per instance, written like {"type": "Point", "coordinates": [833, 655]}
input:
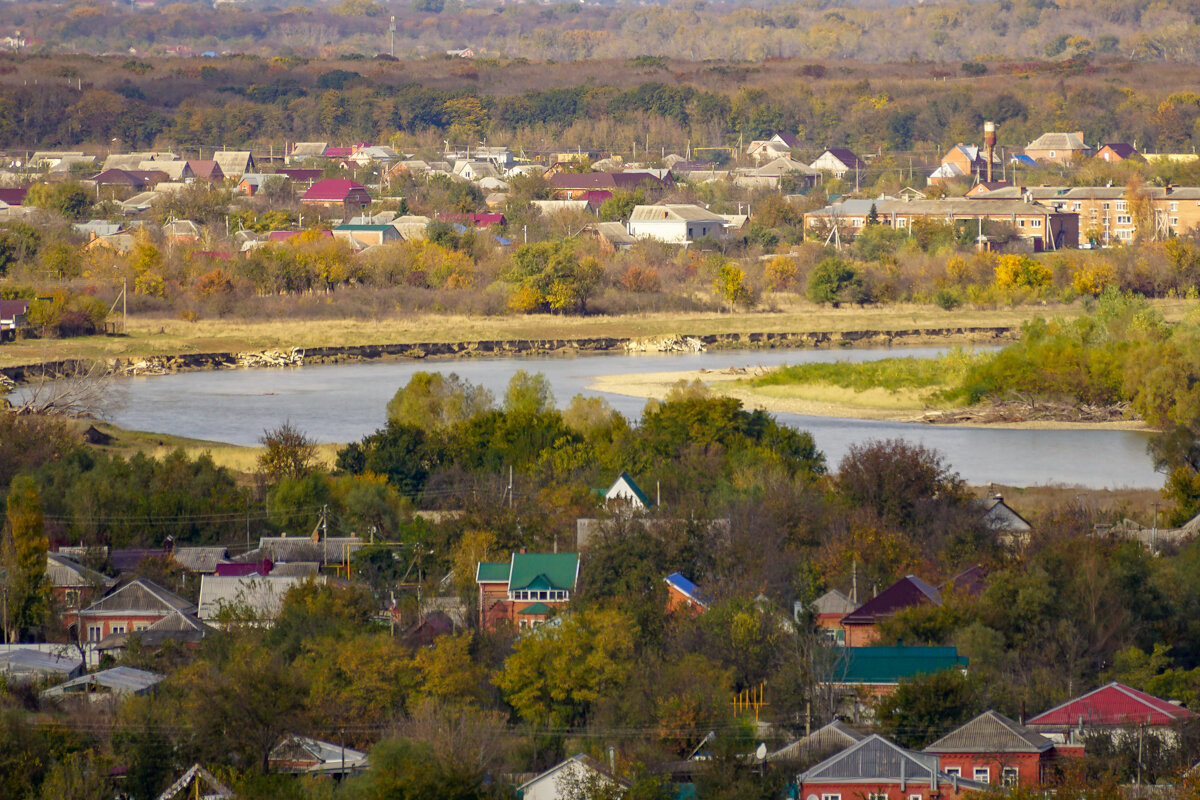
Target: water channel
{"type": "Point", "coordinates": [343, 402]}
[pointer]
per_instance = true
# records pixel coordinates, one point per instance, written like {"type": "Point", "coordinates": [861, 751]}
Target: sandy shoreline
{"type": "Point", "coordinates": [875, 405]}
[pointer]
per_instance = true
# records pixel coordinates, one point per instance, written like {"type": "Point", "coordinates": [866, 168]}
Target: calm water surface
{"type": "Point", "coordinates": [343, 402]}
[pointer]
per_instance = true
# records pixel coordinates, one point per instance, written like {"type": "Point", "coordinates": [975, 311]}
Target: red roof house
{"type": "Point", "coordinates": [338, 195]}
{"type": "Point", "coordinates": [860, 624]}
{"type": "Point", "coordinates": [207, 170]}
{"type": "Point", "coordinates": [1113, 707]}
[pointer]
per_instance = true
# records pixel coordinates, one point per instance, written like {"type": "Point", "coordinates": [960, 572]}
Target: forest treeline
{"type": "Point", "coordinates": [644, 105]}
{"type": "Point", "coordinates": [750, 511]}
{"type": "Point", "coordinates": [1021, 29]}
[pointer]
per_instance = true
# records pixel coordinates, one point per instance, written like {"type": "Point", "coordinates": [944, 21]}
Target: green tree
{"type": "Point", "coordinates": [437, 400]}
{"type": "Point", "coordinates": [68, 199]}
{"type": "Point", "coordinates": [731, 286]}
{"type": "Point", "coordinates": [926, 707]}
{"type": "Point", "coordinates": [528, 394]}
{"type": "Point", "coordinates": [25, 549]}
{"type": "Point", "coordinates": [556, 674]}
{"type": "Point", "coordinates": [620, 206]}
{"type": "Point", "coordinates": [835, 282]}
{"type": "Point", "coordinates": [549, 276]}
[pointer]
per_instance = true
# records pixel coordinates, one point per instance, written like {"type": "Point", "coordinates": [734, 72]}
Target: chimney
{"type": "Point", "coordinates": [989, 141]}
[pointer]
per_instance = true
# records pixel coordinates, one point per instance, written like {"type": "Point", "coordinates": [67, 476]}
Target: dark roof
{"type": "Point", "coordinates": [847, 157]}
{"type": "Point", "coordinates": [1113, 704]}
{"type": "Point", "coordinates": [905, 593]}
{"type": "Point", "coordinates": [476, 220]}
{"type": "Point", "coordinates": [788, 138]}
{"type": "Point", "coordinates": [991, 733]}
{"type": "Point", "coordinates": [136, 178]}
{"type": "Point", "coordinates": [206, 169]}
{"type": "Point", "coordinates": [831, 738]}
{"type": "Point", "coordinates": [300, 175]}
{"type": "Point", "coordinates": [632, 485]}
{"type": "Point", "coordinates": [11, 308]}
{"type": "Point", "coordinates": [13, 197]}
{"type": "Point", "coordinates": [1123, 149]}
{"type": "Point", "coordinates": [337, 190]}
{"type": "Point", "coordinates": [971, 581]}
{"type": "Point", "coordinates": [888, 665]}
{"type": "Point", "coordinates": [602, 180]}
{"type": "Point", "coordinates": [127, 559]}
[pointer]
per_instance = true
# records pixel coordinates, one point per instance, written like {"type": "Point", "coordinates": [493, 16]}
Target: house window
{"type": "Point", "coordinates": [1052, 154]}
{"type": "Point", "coordinates": [141, 626]}
{"type": "Point", "coordinates": [1020, 223]}
{"type": "Point", "coordinates": [1121, 205]}
{"type": "Point", "coordinates": [1035, 223]}
{"type": "Point", "coordinates": [831, 797]}
{"type": "Point", "coordinates": [1124, 219]}
{"type": "Point", "coordinates": [902, 222]}
{"type": "Point", "coordinates": [93, 633]}
{"type": "Point", "coordinates": [71, 598]}
{"type": "Point", "coordinates": [983, 774]}
{"type": "Point", "coordinates": [1174, 221]}
{"type": "Point", "coordinates": [877, 796]}
{"type": "Point", "coordinates": [1106, 206]}
{"type": "Point", "coordinates": [1174, 207]}
{"type": "Point", "coordinates": [954, 772]}
{"type": "Point", "coordinates": [1009, 776]}
{"type": "Point", "coordinates": [857, 222]}
{"type": "Point", "coordinates": [117, 629]}
{"type": "Point", "coordinates": [1079, 205]}
{"type": "Point", "coordinates": [914, 797]}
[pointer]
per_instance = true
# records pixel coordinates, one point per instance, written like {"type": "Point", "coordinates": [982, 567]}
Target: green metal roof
{"type": "Point", "coordinates": [492, 573]}
{"type": "Point", "coordinates": [535, 609]}
{"type": "Point", "coordinates": [558, 570]}
{"type": "Point", "coordinates": [891, 664]}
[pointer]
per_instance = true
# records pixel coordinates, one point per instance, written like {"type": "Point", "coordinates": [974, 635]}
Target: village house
{"type": "Point", "coordinates": [774, 173]}
{"type": "Point", "coordinates": [861, 625]}
{"type": "Point", "coordinates": [233, 163]}
{"type": "Point", "coordinates": [361, 236]}
{"type": "Point", "coordinates": [135, 179]}
{"type": "Point", "coordinates": [878, 769]}
{"type": "Point", "coordinates": [1060, 148]}
{"type": "Point", "coordinates": [525, 591]}
{"type": "Point", "coordinates": [591, 185]}
{"type": "Point", "coordinates": [780, 145]}
{"type": "Point", "coordinates": [477, 221]}
{"type": "Point", "coordinates": [831, 738]}
{"type": "Point", "coordinates": [339, 196]}
{"type": "Point", "coordinates": [838, 161]}
{"type": "Point", "coordinates": [625, 495]}
{"type": "Point", "coordinates": [876, 671]}
{"type": "Point", "coordinates": [1113, 709]}
{"type": "Point", "coordinates": [675, 223]}
{"type": "Point", "coordinates": [828, 610]}
{"type": "Point", "coordinates": [1118, 151]}
{"type": "Point", "coordinates": [133, 606]}
{"type": "Point", "coordinates": [12, 202]}
{"type": "Point", "coordinates": [301, 755]}
{"type": "Point", "coordinates": [611, 237]}
{"type": "Point", "coordinates": [970, 160]}
{"type": "Point", "coordinates": [73, 585]}
{"type": "Point", "coordinates": [683, 595]}
{"type": "Point", "coordinates": [253, 598]}
{"type": "Point", "coordinates": [305, 151]}
{"type": "Point", "coordinates": [574, 777]}
{"type": "Point", "coordinates": [108, 683]}
{"type": "Point", "coordinates": [206, 170]}
{"type": "Point", "coordinates": [994, 749]}
{"type": "Point", "coordinates": [178, 630]}
{"type": "Point", "coordinates": [12, 318]}
{"type": "Point", "coordinates": [251, 183]}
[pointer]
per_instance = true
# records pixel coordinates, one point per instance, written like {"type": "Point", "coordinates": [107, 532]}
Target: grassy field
{"type": "Point", "coordinates": [165, 336]}
{"type": "Point", "coordinates": [237, 458]}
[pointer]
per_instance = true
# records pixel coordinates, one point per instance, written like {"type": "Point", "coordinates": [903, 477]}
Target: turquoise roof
{"type": "Point", "coordinates": [492, 573]}
{"type": "Point", "coordinates": [891, 664]}
{"type": "Point", "coordinates": [534, 610]}
{"type": "Point", "coordinates": [550, 570]}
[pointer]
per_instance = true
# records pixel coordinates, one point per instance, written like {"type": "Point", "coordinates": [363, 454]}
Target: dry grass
{"type": "Point", "coordinates": [161, 336]}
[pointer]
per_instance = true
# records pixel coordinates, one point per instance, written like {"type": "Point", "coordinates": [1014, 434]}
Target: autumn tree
{"type": "Point", "coordinates": [528, 394]}
{"type": "Point", "coordinates": [24, 557]}
{"type": "Point", "coordinates": [287, 453]}
{"type": "Point", "coordinates": [437, 400]}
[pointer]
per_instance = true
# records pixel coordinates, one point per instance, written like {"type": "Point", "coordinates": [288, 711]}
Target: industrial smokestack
{"type": "Point", "coordinates": [989, 141]}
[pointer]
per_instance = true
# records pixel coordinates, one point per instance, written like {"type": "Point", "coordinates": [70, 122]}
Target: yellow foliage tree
{"type": "Point", "coordinates": [1015, 271]}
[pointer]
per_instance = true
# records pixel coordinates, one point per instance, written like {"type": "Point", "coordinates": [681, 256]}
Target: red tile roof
{"type": "Point", "coordinates": [337, 190]}
{"type": "Point", "coordinates": [1114, 704]}
{"type": "Point", "coordinates": [339, 152]}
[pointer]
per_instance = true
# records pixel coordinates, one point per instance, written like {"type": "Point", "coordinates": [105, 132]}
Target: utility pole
{"type": "Point", "coordinates": [510, 487]}
{"type": "Point", "coordinates": [392, 38]}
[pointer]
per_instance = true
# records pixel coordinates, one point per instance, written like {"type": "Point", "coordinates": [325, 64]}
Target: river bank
{"type": "Point", "coordinates": [675, 342]}
{"type": "Point", "coordinates": [823, 400]}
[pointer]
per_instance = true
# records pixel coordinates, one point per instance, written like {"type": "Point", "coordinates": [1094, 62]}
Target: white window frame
{"type": "Point", "coordinates": [955, 772]}
{"type": "Point", "coordinates": [1124, 219]}
{"type": "Point", "coordinates": [93, 633]}
{"type": "Point", "coordinates": [982, 774]}
{"type": "Point", "coordinates": [1035, 223]}
{"type": "Point", "coordinates": [831, 797]}
{"type": "Point", "coordinates": [117, 628]}
{"type": "Point", "coordinates": [1122, 205]}
{"type": "Point", "coordinates": [1010, 776]}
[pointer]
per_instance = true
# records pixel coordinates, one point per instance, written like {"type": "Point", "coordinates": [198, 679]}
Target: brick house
{"type": "Point", "coordinates": [527, 590]}
{"type": "Point", "coordinates": [1115, 709]}
{"type": "Point", "coordinates": [1061, 148]}
{"type": "Point", "coordinates": [995, 749]}
{"type": "Point", "coordinates": [874, 672]}
{"type": "Point", "coordinates": [1118, 151]}
{"type": "Point", "coordinates": [828, 610]}
{"type": "Point", "coordinates": [861, 624]}
{"type": "Point", "coordinates": [132, 607]}
{"type": "Point", "coordinates": [683, 595]}
{"type": "Point", "coordinates": [338, 196]}
{"type": "Point", "coordinates": [877, 769]}
{"type": "Point", "coordinates": [73, 585]}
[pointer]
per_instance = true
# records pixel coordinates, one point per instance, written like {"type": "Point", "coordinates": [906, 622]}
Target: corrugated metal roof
{"type": "Point", "coordinates": [991, 733]}
{"type": "Point", "coordinates": [888, 665]}
{"type": "Point", "coordinates": [874, 758]}
{"type": "Point", "coordinates": [329, 757]}
{"type": "Point", "coordinates": [833, 602]}
{"type": "Point", "coordinates": [831, 738]}
{"type": "Point", "coordinates": [139, 595]}
{"type": "Point", "coordinates": [260, 596]}
{"type": "Point", "coordinates": [491, 572]}
{"type": "Point", "coordinates": [36, 663]}
{"type": "Point", "coordinates": [686, 587]}
{"type": "Point", "coordinates": [674, 211]}
{"type": "Point", "coordinates": [117, 680]}
{"type": "Point", "coordinates": [1113, 704]}
{"type": "Point", "coordinates": [560, 570]}
{"type": "Point", "coordinates": [905, 593]}
{"type": "Point", "coordinates": [63, 572]}
{"type": "Point", "coordinates": [200, 559]}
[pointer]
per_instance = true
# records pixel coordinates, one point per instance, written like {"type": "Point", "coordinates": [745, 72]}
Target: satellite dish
{"type": "Point", "coordinates": [761, 752]}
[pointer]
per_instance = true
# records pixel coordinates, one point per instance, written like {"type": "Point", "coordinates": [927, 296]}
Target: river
{"type": "Point", "coordinates": [343, 402]}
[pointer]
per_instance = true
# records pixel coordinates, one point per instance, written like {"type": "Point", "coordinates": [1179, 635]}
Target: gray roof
{"type": "Point", "coordinates": [875, 759]}
{"type": "Point", "coordinates": [833, 602]}
{"type": "Point", "coordinates": [175, 627]}
{"type": "Point", "coordinates": [991, 733]}
{"type": "Point", "coordinates": [33, 664]}
{"type": "Point", "coordinates": [999, 516]}
{"type": "Point", "coordinates": [329, 757]}
{"type": "Point", "coordinates": [200, 559]}
{"type": "Point", "coordinates": [117, 681]}
{"type": "Point", "coordinates": [139, 595]}
{"type": "Point", "coordinates": [831, 738]}
{"type": "Point", "coordinates": [614, 232]}
{"type": "Point", "coordinates": [302, 548]}
{"type": "Point", "coordinates": [258, 595]}
{"type": "Point", "coordinates": [63, 572]}
{"type": "Point", "coordinates": [1058, 141]}
{"type": "Point", "coordinates": [674, 211]}
{"type": "Point", "coordinates": [233, 162]}
{"type": "Point", "coordinates": [295, 569]}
